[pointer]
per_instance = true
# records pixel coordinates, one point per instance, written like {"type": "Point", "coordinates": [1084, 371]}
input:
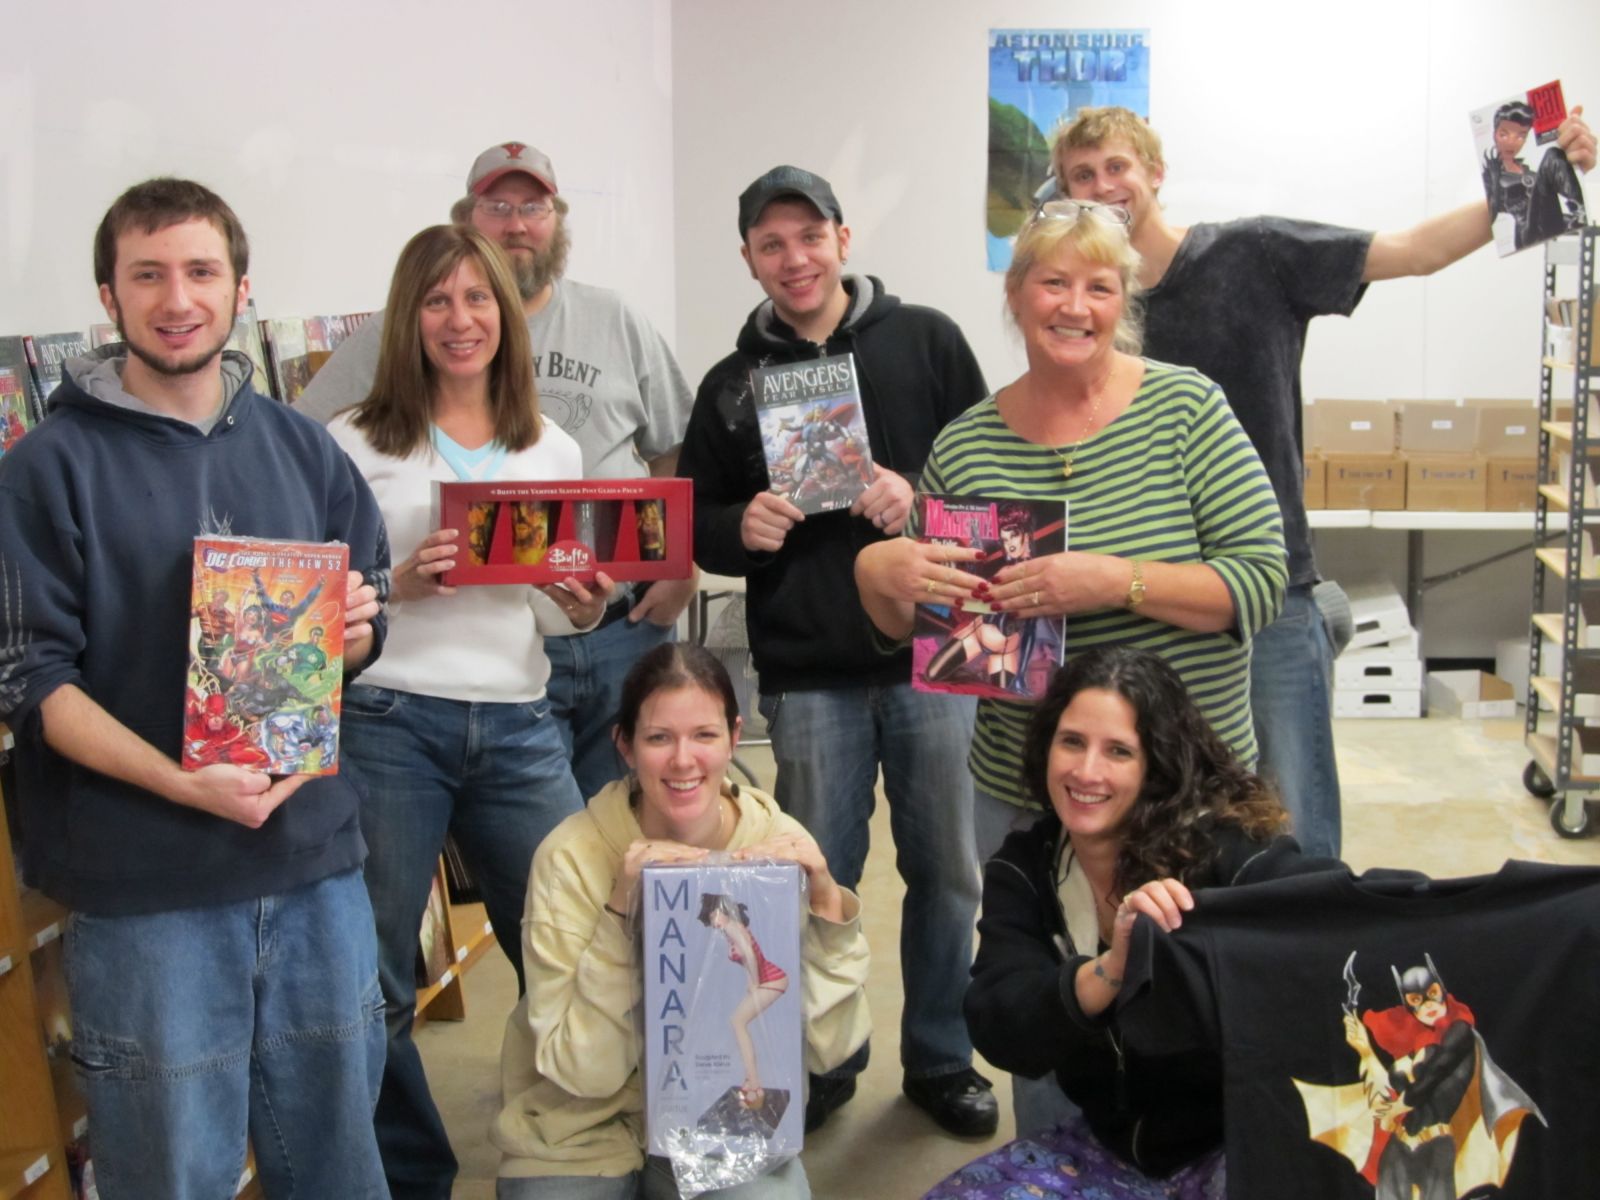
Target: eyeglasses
{"type": "Point", "coordinates": [1075, 210]}
{"type": "Point", "coordinates": [501, 210]}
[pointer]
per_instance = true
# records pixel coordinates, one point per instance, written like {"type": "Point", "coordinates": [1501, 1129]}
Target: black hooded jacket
{"type": "Point", "coordinates": [916, 373]}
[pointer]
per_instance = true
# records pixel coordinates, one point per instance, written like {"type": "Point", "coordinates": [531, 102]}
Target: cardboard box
{"type": "Point", "coordinates": [1472, 695]}
{"type": "Point", "coordinates": [1378, 613]}
{"type": "Point", "coordinates": [1511, 663]}
{"type": "Point", "coordinates": [1375, 481]}
{"type": "Point", "coordinates": [1352, 427]}
{"type": "Point", "coordinates": [1360, 703]}
{"type": "Point", "coordinates": [1393, 644]}
{"type": "Point", "coordinates": [1445, 482]}
{"type": "Point", "coordinates": [1376, 672]}
{"type": "Point", "coordinates": [527, 531]}
{"type": "Point", "coordinates": [1507, 428]}
{"type": "Point", "coordinates": [1512, 484]}
{"type": "Point", "coordinates": [1316, 481]}
{"type": "Point", "coordinates": [1436, 427]}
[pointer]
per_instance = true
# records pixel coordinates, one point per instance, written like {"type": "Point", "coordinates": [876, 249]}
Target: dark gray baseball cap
{"type": "Point", "coordinates": [786, 181]}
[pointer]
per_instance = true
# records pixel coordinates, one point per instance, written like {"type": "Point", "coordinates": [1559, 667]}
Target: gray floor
{"type": "Point", "coordinates": [1442, 796]}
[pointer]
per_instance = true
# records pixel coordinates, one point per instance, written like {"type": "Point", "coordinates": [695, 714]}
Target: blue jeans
{"type": "Point", "coordinates": [495, 776]}
{"type": "Point", "coordinates": [1037, 1104]}
{"type": "Point", "coordinates": [196, 1027]}
{"type": "Point", "coordinates": [585, 691]}
{"type": "Point", "coordinates": [828, 746]}
{"type": "Point", "coordinates": [655, 1182]}
{"type": "Point", "coordinates": [1291, 689]}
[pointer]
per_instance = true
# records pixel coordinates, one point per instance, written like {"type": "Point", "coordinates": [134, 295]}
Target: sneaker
{"type": "Point", "coordinates": [961, 1102]}
{"type": "Point", "coordinates": [828, 1092]}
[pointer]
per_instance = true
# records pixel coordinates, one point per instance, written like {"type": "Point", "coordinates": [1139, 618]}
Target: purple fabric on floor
{"type": "Point", "coordinates": [1068, 1164]}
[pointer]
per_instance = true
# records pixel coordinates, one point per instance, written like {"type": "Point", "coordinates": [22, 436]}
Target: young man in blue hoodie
{"type": "Point", "coordinates": [220, 960]}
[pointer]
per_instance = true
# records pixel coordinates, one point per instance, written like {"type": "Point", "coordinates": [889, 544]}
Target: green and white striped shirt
{"type": "Point", "coordinates": [1172, 479]}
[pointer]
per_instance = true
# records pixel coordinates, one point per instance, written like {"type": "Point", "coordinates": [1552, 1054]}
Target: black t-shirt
{"type": "Point", "coordinates": [1497, 1089]}
{"type": "Point", "coordinates": [1234, 305]}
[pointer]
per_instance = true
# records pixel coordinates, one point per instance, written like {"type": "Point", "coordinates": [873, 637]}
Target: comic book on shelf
{"type": "Point", "coordinates": [16, 408]}
{"type": "Point", "coordinates": [813, 431]}
{"type": "Point", "coordinates": [288, 355]}
{"type": "Point", "coordinates": [434, 955]}
{"type": "Point", "coordinates": [47, 357]}
{"type": "Point", "coordinates": [1532, 190]}
{"type": "Point", "coordinates": [967, 648]}
{"type": "Point", "coordinates": [266, 655]}
{"type": "Point", "coordinates": [246, 338]}
{"type": "Point", "coordinates": [14, 361]}
{"type": "Point", "coordinates": [722, 1100]}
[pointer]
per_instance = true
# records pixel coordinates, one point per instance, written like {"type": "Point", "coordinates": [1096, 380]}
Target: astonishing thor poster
{"type": "Point", "coordinates": [1038, 80]}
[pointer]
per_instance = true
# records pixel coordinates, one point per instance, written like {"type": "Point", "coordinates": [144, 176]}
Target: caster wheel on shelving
{"type": "Point", "coordinates": [1537, 782]}
{"type": "Point", "coordinates": [1558, 819]}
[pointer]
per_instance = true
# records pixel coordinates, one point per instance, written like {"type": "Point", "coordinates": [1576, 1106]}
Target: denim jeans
{"type": "Point", "coordinates": [585, 691]}
{"type": "Point", "coordinates": [1038, 1104]}
{"type": "Point", "coordinates": [1291, 690]}
{"type": "Point", "coordinates": [655, 1182]}
{"type": "Point", "coordinates": [196, 1027]}
{"type": "Point", "coordinates": [828, 746]}
{"type": "Point", "coordinates": [494, 775]}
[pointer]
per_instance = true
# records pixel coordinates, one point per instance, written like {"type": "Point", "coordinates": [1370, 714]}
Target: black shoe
{"type": "Point", "coordinates": [827, 1093]}
{"type": "Point", "coordinates": [962, 1102]}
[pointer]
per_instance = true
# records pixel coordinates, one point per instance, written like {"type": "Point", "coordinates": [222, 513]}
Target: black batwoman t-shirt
{"type": "Point", "coordinates": [1385, 1032]}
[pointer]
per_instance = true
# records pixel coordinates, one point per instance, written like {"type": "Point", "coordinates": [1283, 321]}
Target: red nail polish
{"type": "Point", "coordinates": [993, 607]}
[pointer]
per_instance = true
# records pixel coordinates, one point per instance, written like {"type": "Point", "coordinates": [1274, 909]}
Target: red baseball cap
{"type": "Point", "coordinates": [506, 158]}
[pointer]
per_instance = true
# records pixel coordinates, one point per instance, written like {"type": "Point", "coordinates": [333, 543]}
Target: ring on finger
{"type": "Point", "coordinates": [1036, 600]}
{"type": "Point", "coordinates": [930, 587]}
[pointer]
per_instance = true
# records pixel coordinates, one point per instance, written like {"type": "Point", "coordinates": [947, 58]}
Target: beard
{"type": "Point", "coordinates": [170, 365]}
{"type": "Point", "coordinates": [537, 269]}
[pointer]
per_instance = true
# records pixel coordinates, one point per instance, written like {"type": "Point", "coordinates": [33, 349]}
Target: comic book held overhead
{"type": "Point", "coordinates": [723, 1016]}
{"type": "Point", "coordinates": [813, 431]}
{"type": "Point", "coordinates": [266, 655]}
{"type": "Point", "coordinates": [1533, 191]}
{"type": "Point", "coordinates": [970, 649]}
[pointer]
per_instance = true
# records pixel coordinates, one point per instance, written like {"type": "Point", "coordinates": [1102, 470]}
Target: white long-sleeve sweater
{"type": "Point", "coordinates": [484, 643]}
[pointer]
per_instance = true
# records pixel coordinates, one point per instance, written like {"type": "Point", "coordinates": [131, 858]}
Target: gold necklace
{"type": "Point", "coordinates": [1094, 410]}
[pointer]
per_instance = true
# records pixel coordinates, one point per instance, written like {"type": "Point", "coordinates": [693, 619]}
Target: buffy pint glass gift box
{"type": "Point", "coordinates": [546, 532]}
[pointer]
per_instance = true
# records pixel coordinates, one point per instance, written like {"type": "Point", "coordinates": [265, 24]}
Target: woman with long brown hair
{"type": "Point", "coordinates": [451, 731]}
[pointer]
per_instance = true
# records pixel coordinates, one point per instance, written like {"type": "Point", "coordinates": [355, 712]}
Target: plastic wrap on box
{"type": "Point", "coordinates": [723, 1069]}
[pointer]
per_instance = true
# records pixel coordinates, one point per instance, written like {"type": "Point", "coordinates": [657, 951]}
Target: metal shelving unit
{"type": "Point", "coordinates": [1561, 740]}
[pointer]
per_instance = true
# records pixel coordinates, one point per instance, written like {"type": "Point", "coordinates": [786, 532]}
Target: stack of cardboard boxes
{"type": "Point", "coordinates": [1380, 672]}
{"type": "Point", "coordinates": [1422, 455]}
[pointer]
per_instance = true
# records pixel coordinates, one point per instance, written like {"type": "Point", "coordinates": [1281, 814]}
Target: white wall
{"type": "Point", "coordinates": [336, 130]}
{"type": "Point", "coordinates": [1354, 113]}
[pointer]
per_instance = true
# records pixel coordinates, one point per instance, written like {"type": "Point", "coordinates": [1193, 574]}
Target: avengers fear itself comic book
{"type": "Point", "coordinates": [813, 432]}
{"type": "Point", "coordinates": [266, 655]}
{"type": "Point", "coordinates": [971, 649]}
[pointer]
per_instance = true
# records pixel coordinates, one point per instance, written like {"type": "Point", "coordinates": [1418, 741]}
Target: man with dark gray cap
{"type": "Point", "coordinates": [838, 707]}
{"type": "Point", "coordinates": [605, 376]}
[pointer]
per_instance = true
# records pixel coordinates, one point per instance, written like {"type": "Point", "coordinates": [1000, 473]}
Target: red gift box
{"type": "Point", "coordinates": [526, 531]}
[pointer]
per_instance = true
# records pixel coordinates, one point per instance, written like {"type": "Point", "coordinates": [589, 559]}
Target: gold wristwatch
{"type": "Point", "coordinates": [1135, 587]}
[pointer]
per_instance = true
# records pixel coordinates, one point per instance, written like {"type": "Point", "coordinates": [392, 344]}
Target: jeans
{"type": "Point", "coordinates": [828, 746]}
{"type": "Point", "coordinates": [1038, 1104]}
{"type": "Point", "coordinates": [495, 776]}
{"type": "Point", "coordinates": [655, 1182]}
{"type": "Point", "coordinates": [192, 1029]}
{"type": "Point", "coordinates": [585, 692]}
{"type": "Point", "coordinates": [1291, 689]}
